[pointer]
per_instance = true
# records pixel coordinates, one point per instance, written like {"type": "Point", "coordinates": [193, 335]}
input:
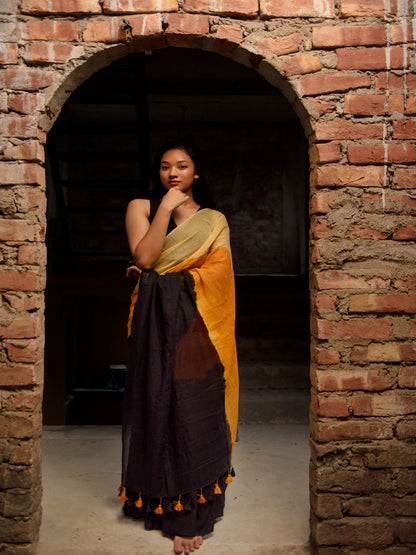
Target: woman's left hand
{"type": "Point", "coordinates": [133, 271]}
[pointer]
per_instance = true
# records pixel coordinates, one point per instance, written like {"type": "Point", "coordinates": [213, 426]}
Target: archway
{"type": "Point", "coordinates": [99, 152]}
{"type": "Point", "coordinates": [285, 180]}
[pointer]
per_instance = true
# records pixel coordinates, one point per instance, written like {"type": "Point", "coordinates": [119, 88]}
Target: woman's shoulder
{"type": "Point", "coordinates": [216, 214]}
{"type": "Point", "coordinates": [141, 205]}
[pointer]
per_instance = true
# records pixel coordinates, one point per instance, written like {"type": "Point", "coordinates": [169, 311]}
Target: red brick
{"type": "Point", "coordinates": [404, 129]}
{"type": "Point", "coordinates": [28, 79]}
{"type": "Point", "coordinates": [352, 379]}
{"type": "Point", "coordinates": [188, 24]}
{"type": "Point", "coordinates": [366, 233]}
{"type": "Point", "coordinates": [390, 302]}
{"type": "Point", "coordinates": [23, 301]}
{"type": "Point", "coordinates": [360, 328]}
{"type": "Point", "coordinates": [371, 58]}
{"type": "Point", "coordinates": [387, 404]}
{"type": "Point", "coordinates": [9, 31]}
{"type": "Point", "coordinates": [296, 8]}
{"type": "Point", "coordinates": [322, 106]}
{"type": "Point", "coordinates": [381, 505]}
{"type": "Point", "coordinates": [318, 228]}
{"type": "Point", "coordinates": [26, 103]}
{"type": "Point", "coordinates": [324, 302]}
{"type": "Point", "coordinates": [345, 129]}
{"type": "Point", "coordinates": [19, 426]}
{"type": "Point", "coordinates": [243, 8]}
{"type": "Point", "coordinates": [326, 506]}
{"type": "Point", "coordinates": [332, 82]}
{"type": "Point", "coordinates": [359, 532]}
{"type": "Point", "coordinates": [364, 104]}
{"type": "Point", "coordinates": [320, 202]}
{"type": "Point", "coordinates": [407, 377]}
{"type": "Point", "coordinates": [8, 53]}
{"type": "Point", "coordinates": [362, 8]}
{"type": "Point", "coordinates": [406, 531]}
{"type": "Point", "coordinates": [401, 34]}
{"type": "Point", "coordinates": [351, 35]}
{"type": "Point", "coordinates": [382, 154]}
{"type": "Point", "coordinates": [231, 33]}
{"type": "Point", "coordinates": [108, 31]}
{"type": "Point", "coordinates": [21, 174]}
{"type": "Point", "coordinates": [139, 6]}
{"type": "Point", "coordinates": [44, 7]}
{"type": "Point", "coordinates": [16, 375]}
{"type": "Point", "coordinates": [29, 200]}
{"type": "Point", "coordinates": [329, 406]}
{"type": "Point", "coordinates": [32, 254]}
{"type": "Point", "coordinates": [18, 126]}
{"type": "Point", "coordinates": [405, 233]}
{"type": "Point", "coordinates": [400, 204]}
{"type": "Point", "coordinates": [144, 25]}
{"type": "Point", "coordinates": [402, 104]}
{"type": "Point", "coordinates": [406, 428]}
{"type": "Point", "coordinates": [26, 401]}
{"type": "Point", "coordinates": [324, 356]}
{"type": "Point", "coordinates": [301, 64]}
{"type": "Point", "coordinates": [335, 279]}
{"type": "Point", "coordinates": [347, 176]}
{"type": "Point", "coordinates": [28, 280]}
{"type": "Point", "coordinates": [25, 453]}
{"type": "Point", "coordinates": [387, 352]}
{"type": "Point", "coordinates": [49, 52]}
{"type": "Point", "coordinates": [18, 230]}
{"type": "Point", "coordinates": [29, 150]}
{"type": "Point", "coordinates": [395, 82]}
{"type": "Point", "coordinates": [351, 429]}
{"type": "Point", "coordinates": [48, 29]}
{"type": "Point", "coordinates": [281, 45]}
{"type": "Point", "coordinates": [321, 153]}
{"type": "Point", "coordinates": [8, 6]}
{"type": "Point", "coordinates": [27, 352]}
{"type": "Point", "coordinates": [404, 178]}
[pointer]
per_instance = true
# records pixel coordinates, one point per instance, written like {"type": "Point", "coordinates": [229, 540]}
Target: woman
{"type": "Point", "coordinates": [181, 401]}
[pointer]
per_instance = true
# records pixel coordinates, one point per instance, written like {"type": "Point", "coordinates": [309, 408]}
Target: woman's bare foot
{"type": "Point", "coordinates": [186, 545]}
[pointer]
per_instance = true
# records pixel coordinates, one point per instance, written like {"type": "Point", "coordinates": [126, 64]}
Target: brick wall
{"type": "Point", "coordinates": [347, 66]}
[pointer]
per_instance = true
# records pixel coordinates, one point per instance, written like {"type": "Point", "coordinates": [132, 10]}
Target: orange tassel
{"type": "Point", "coordinates": [178, 505]}
{"type": "Point", "coordinates": [217, 489]}
{"type": "Point", "coordinates": [159, 510]}
{"type": "Point", "coordinates": [228, 479]}
{"type": "Point", "coordinates": [120, 488]}
{"type": "Point", "coordinates": [139, 502]}
{"type": "Point", "coordinates": [201, 498]}
{"type": "Point", "coordinates": [122, 497]}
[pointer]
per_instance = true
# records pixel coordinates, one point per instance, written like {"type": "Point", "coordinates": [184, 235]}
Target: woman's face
{"type": "Point", "coordinates": [177, 170]}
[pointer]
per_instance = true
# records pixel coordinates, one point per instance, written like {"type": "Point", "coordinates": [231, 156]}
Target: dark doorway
{"type": "Point", "coordinates": [99, 153]}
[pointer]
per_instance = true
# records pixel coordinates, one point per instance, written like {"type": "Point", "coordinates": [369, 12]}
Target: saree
{"type": "Point", "coordinates": [180, 406]}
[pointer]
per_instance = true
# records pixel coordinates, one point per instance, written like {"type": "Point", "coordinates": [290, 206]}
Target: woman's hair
{"type": "Point", "coordinates": [200, 190]}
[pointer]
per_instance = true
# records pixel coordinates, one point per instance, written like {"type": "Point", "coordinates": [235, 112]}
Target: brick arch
{"type": "Point", "coordinates": [347, 67]}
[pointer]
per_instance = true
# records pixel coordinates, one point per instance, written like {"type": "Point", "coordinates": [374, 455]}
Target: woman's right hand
{"type": "Point", "coordinates": [173, 198]}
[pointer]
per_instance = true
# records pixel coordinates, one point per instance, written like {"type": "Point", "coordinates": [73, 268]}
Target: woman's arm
{"type": "Point", "coordinates": [146, 240]}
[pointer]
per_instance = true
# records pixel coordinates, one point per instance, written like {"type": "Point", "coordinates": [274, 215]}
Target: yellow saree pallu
{"type": "Point", "coordinates": [181, 401]}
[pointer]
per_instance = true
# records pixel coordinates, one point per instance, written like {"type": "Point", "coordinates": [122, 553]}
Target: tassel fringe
{"type": "Point", "coordinates": [178, 505]}
{"type": "Point", "coordinates": [122, 497]}
{"type": "Point", "coordinates": [159, 510]}
{"type": "Point", "coordinates": [201, 498]}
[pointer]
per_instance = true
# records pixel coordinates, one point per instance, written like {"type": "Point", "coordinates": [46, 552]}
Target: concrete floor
{"type": "Point", "coordinates": [266, 510]}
